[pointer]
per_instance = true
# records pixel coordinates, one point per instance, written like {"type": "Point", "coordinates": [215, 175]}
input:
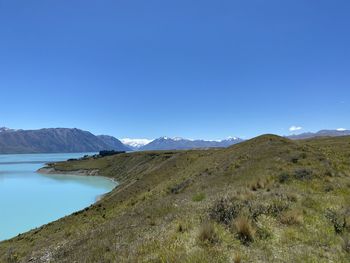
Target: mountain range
{"type": "Point", "coordinates": [64, 140]}
{"type": "Point", "coordinates": [55, 140]}
{"type": "Point", "coordinates": [321, 133]}
{"type": "Point", "coordinates": [166, 143]}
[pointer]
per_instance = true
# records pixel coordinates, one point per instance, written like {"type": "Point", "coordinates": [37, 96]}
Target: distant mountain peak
{"type": "Point", "coordinates": [5, 129]}
{"type": "Point", "coordinates": [135, 143]}
{"type": "Point", "coordinates": [171, 138]}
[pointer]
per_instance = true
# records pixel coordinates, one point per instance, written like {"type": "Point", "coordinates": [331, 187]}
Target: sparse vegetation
{"type": "Point", "coordinates": [247, 203]}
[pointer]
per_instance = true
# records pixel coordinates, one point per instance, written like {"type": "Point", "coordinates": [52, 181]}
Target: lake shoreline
{"type": "Point", "coordinates": [46, 195]}
{"type": "Point", "coordinates": [95, 172]}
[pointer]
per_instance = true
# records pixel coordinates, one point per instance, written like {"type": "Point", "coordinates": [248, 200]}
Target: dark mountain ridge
{"type": "Point", "coordinates": [55, 140]}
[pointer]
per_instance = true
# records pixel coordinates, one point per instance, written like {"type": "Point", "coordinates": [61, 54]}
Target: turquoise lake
{"type": "Point", "coordinates": [29, 200]}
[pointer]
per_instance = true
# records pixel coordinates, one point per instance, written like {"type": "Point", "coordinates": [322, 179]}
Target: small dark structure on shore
{"type": "Point", "coordinates": [109, 153]}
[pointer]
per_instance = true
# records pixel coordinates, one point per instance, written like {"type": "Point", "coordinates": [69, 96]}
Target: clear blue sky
{"type": "Point", "coordinates": [196, 69]}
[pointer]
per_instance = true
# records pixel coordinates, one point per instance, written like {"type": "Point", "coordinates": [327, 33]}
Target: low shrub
{"type": "Point", "coordinates": [338, 220]}
{"type": "Point", "coordinates": [225, 210]}
{"type": "Point", "coordinates": [283, 177]}
{"type": "Point", "coordinates": [303, 174]}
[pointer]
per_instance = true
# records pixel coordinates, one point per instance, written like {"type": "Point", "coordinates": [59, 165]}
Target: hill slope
{"type": "Point", "coordinates": [268, 199]}
{"type": "Point", "coordinates": [60, 140]}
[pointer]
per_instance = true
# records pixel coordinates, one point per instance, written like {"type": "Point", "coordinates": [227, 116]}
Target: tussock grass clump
{"type": "Point", "coordinates": [207, 233]}
{"type": "Point", "coordinates": [237, 258]}
{"type": "Point", "coordinates": [260, 184]}
{"type": "Point", "coordinates": [245, 230]}
{"type": "Point", "coordinates": [292, 217]}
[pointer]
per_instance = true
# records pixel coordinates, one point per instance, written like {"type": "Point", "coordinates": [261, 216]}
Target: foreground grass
{"type": "Point", "coordinates": [265, 200]}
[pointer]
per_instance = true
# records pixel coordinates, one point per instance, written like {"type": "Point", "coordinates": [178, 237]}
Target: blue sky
{"type": "Point", "coordinates": [196, 69]}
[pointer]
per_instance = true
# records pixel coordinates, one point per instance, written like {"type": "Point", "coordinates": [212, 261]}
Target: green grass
{"type": "Point", "coordinates": [267, 200]}
{"type": "Point", "coordinates": [198, 197]}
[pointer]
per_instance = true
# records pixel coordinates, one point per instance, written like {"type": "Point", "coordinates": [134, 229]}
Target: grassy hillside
{"type": "Point", "coordinates": [265, 200]}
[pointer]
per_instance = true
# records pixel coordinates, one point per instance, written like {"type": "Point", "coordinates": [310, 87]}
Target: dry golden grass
{"type": "Point", "coordinates": [207, 233]}
{"type": "Point", "coordinates": [292, 217]}
{"type": "Point", "coordinates": [237, 258]}
{"type": "Point", "coordinates": [245, 230]}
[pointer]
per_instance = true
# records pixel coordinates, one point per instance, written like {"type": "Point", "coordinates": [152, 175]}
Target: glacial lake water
{"type": "Point", "coordinates": [29, 200]}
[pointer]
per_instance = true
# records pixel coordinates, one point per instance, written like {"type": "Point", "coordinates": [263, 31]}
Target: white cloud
{"type": "Point", "coordinates": [135, 142]}
{"type": "Point", "coordinates": [295, 128]}
{"type": "Point", "coordinates": [341, 129]}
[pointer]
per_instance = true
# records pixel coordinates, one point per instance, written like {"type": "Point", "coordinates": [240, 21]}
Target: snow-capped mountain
{"type": "Point", "coordinates": [135, 143]}
{"type": "Point", "coordinates": [178, 143]}
{"type": "Point", "coordinates": [5, 129]}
